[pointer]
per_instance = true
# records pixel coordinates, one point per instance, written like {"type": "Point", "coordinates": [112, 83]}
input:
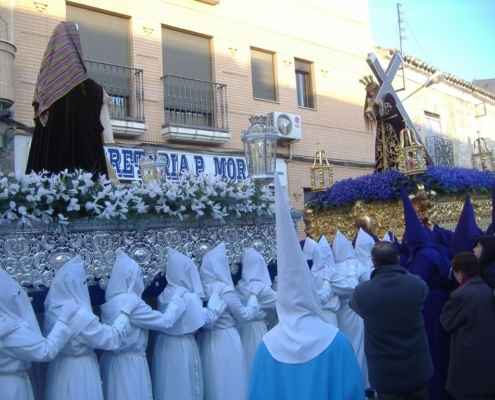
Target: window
{"type": "Point", "coordinates": [105, 47]}
{"type": "Point", "coordinates": [262, 75]}
{"type": "Point", "coordinates": [104, 37]}
{"type": "Point", "coordinates": [186, 55]}
{"type": "Point", "coordinates": [189, 94]}
{"type": "Point", "coordinates": [304, 84]}
{"type": "Point", "coordinates": [433, 126]}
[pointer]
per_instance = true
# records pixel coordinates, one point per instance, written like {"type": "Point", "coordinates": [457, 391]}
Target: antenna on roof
{"type": "Point", "coordinates": [400, 19]}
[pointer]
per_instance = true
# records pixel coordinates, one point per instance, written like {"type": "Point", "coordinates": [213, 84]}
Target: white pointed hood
{"type": "Point", "coordinates": [15, 304]}
{"type": "Point", "coordinates": [322, 259]}
{"type": "Point", "coordinates": [253, 268]}
{"type": "Point", "coordinates": [182, 271]}
{"type": "Point", "coordinates": [69, 285]}
{"type": "Point", "coordinates": [309, 247]}
{"type": "Point", "coordinates": [364, 244]}
{"type": "Point", "coordinates": [342, 248]}
{"type": "Point", "coordinates": [343, 253]}
{"type": "Point", "coordinates": [302, 332]}
{"type": "Point", "coordinates": [215, 267]}
{"type": "Point", "coordinates": [126, 277]}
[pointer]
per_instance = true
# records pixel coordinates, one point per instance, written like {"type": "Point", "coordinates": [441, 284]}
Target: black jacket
{"type": "Point", "coordinates": [469, 315]}
{"type": "Point", "coordinates": [395, 341]}
{"type": "Point", "coordinates": [489, 275]}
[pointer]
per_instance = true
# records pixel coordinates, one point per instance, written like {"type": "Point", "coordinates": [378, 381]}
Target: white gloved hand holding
{"type": "Point", "coordinates": [7, 326]}
{"type": "Point", "coordinates": [255, 287]}
{"type": "Point", "coordinates": [68, 311]}
{"type": "Point", "coordinates": [130, 302]}
{"type": "Point", "coordinates": [325, 291]}
{"type": "Point", "coordinates": [216, 304]}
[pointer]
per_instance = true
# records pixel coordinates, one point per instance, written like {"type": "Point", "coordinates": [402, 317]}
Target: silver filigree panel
{"type": "Point", "coordinates": [34, 258]}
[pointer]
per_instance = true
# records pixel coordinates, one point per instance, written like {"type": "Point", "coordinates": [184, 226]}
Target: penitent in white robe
{"type": "Point", "coordinates": [124, 371]}
{"type": "Point", "coordinates": [252, 332]}
{"type": "Point", "coordinates": [20, 348]}
{"type": "Point", "coordinates": [74, 374]}
{"type": "Point", "coordinates": [221, 351]}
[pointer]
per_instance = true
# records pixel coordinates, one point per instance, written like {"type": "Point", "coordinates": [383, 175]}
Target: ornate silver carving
{"type": "Point", "coordinates": [34, 257]}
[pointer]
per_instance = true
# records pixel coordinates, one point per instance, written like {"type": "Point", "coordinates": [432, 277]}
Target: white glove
{"type": "Point", "coordinates": [179, 291]}
{"type": "Point", "coordinates": [218, 286]}
{"type": "Point", "coordinates": [325, 291]}
{"type": "Point", "coordinates": [361, 270]}
{"type": "Point", "coordinates": [256, 287]}
{"type": "Point", "coordinates": [330, 273]}
{"type": "Point", "coordinates": [8, 326]}
{"type": "Point", "coordinates": [130, 302]}
{"type": "Point", "coordinates": [216, 304]}
{"type": "Point", "coordinates": [68, 311]}
{"type": "Point", "coordinates": [352, 270]}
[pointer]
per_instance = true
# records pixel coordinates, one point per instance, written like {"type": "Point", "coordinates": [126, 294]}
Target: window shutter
{"type": "Point", "coordinates": [186, 55]}
{"type": "Point", "coordinates": [104, 38]}
{"type": "Point", "coordinates": [263, 75]}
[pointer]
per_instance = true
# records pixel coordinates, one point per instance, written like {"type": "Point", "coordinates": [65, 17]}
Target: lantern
{"type": "Point", "coordinates": [321, 171]}
{"type": "Point", "coordinates": [412, 157]}
{"type": "Point", "coordinates": [260, 146]}
{"type": "Point", "coordinates": [482, 158]}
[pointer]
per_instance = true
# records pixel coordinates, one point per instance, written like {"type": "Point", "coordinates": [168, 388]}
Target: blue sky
{"type": "Point", "coordinates": [456, 36]}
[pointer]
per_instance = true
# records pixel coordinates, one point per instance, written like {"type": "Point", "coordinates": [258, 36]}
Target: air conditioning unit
{"type": "Point", "coordinates": [288, 126]}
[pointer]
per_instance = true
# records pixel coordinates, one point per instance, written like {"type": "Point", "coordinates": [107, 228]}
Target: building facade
{"type": "Point", "coordinates": [184, 76]}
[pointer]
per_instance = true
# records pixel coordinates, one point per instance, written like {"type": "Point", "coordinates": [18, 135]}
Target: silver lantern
{"type": "Point", "coordinates": [260, 146]}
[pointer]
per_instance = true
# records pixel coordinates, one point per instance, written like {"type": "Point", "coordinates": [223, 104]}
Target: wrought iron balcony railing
{"type": "Point", "coordinates": [193, 103]}
{"type": "Point", "coordinates": [125, 87]}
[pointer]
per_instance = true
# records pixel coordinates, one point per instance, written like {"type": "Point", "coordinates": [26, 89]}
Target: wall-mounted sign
{"type": "Point", "coordinates": [125, 162]}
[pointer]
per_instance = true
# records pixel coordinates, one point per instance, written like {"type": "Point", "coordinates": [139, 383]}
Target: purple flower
{"type": "Point", "coordinates": [385, 186]}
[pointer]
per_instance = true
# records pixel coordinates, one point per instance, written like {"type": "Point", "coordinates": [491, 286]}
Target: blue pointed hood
{"type": "Point", "coordinates": [466, 232]}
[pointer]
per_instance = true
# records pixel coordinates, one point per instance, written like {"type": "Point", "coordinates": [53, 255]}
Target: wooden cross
{"type": "Point", "coordinates": [385, 80]}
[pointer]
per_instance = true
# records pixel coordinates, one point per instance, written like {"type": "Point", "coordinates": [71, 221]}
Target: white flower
{"type": "Point", "coordinates": [73, 206]}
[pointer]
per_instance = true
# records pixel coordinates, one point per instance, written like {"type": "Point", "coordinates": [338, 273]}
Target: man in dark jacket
{"type": "Point", "coordinates": [395, 342]}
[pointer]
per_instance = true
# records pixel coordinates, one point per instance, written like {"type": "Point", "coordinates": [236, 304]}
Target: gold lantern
{"type": "Point", "coordinates": [412, 158]}
{"type": "Point", "coordinates": [321, 172]}
{"type": "Point", "coordinates": [482, 158]}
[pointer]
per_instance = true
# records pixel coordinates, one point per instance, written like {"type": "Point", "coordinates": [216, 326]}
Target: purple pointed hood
{"type": "Point", "coordinates": [415, 235]}
{"type": "Point", "coordinates": [466, 232]}
{"type": "Point", "coordinates": [491, 227]}
{"type": "Point", "coordinates": [419, 241]}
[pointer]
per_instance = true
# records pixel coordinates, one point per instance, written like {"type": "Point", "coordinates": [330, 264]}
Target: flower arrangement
{"type": "Point", "coordinates": [59, 199]}
{"type": "Point", "coordinates": [385, 186]}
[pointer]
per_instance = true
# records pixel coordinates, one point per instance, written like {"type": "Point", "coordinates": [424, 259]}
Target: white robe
{"type": "Point", "coordinates": [221, 351]}
{"type": "Point", "coordinates": [176, 371]}
{"type": "Point", "coordinates": [124, 371]}
{"type": "Point", "coordinates": [351, 324]}
{"type": "Point", "coordinates": [252, 332]}
{"type": "Point", "coordinates": [74, 374]}
{"type": "Point", "coordinates": [15, 359]}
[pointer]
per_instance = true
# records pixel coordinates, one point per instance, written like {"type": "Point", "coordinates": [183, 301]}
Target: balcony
{"type": "Point", "coordinates": [195, 111]}
{"type": "Point", "coordinates": [124, 85]}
